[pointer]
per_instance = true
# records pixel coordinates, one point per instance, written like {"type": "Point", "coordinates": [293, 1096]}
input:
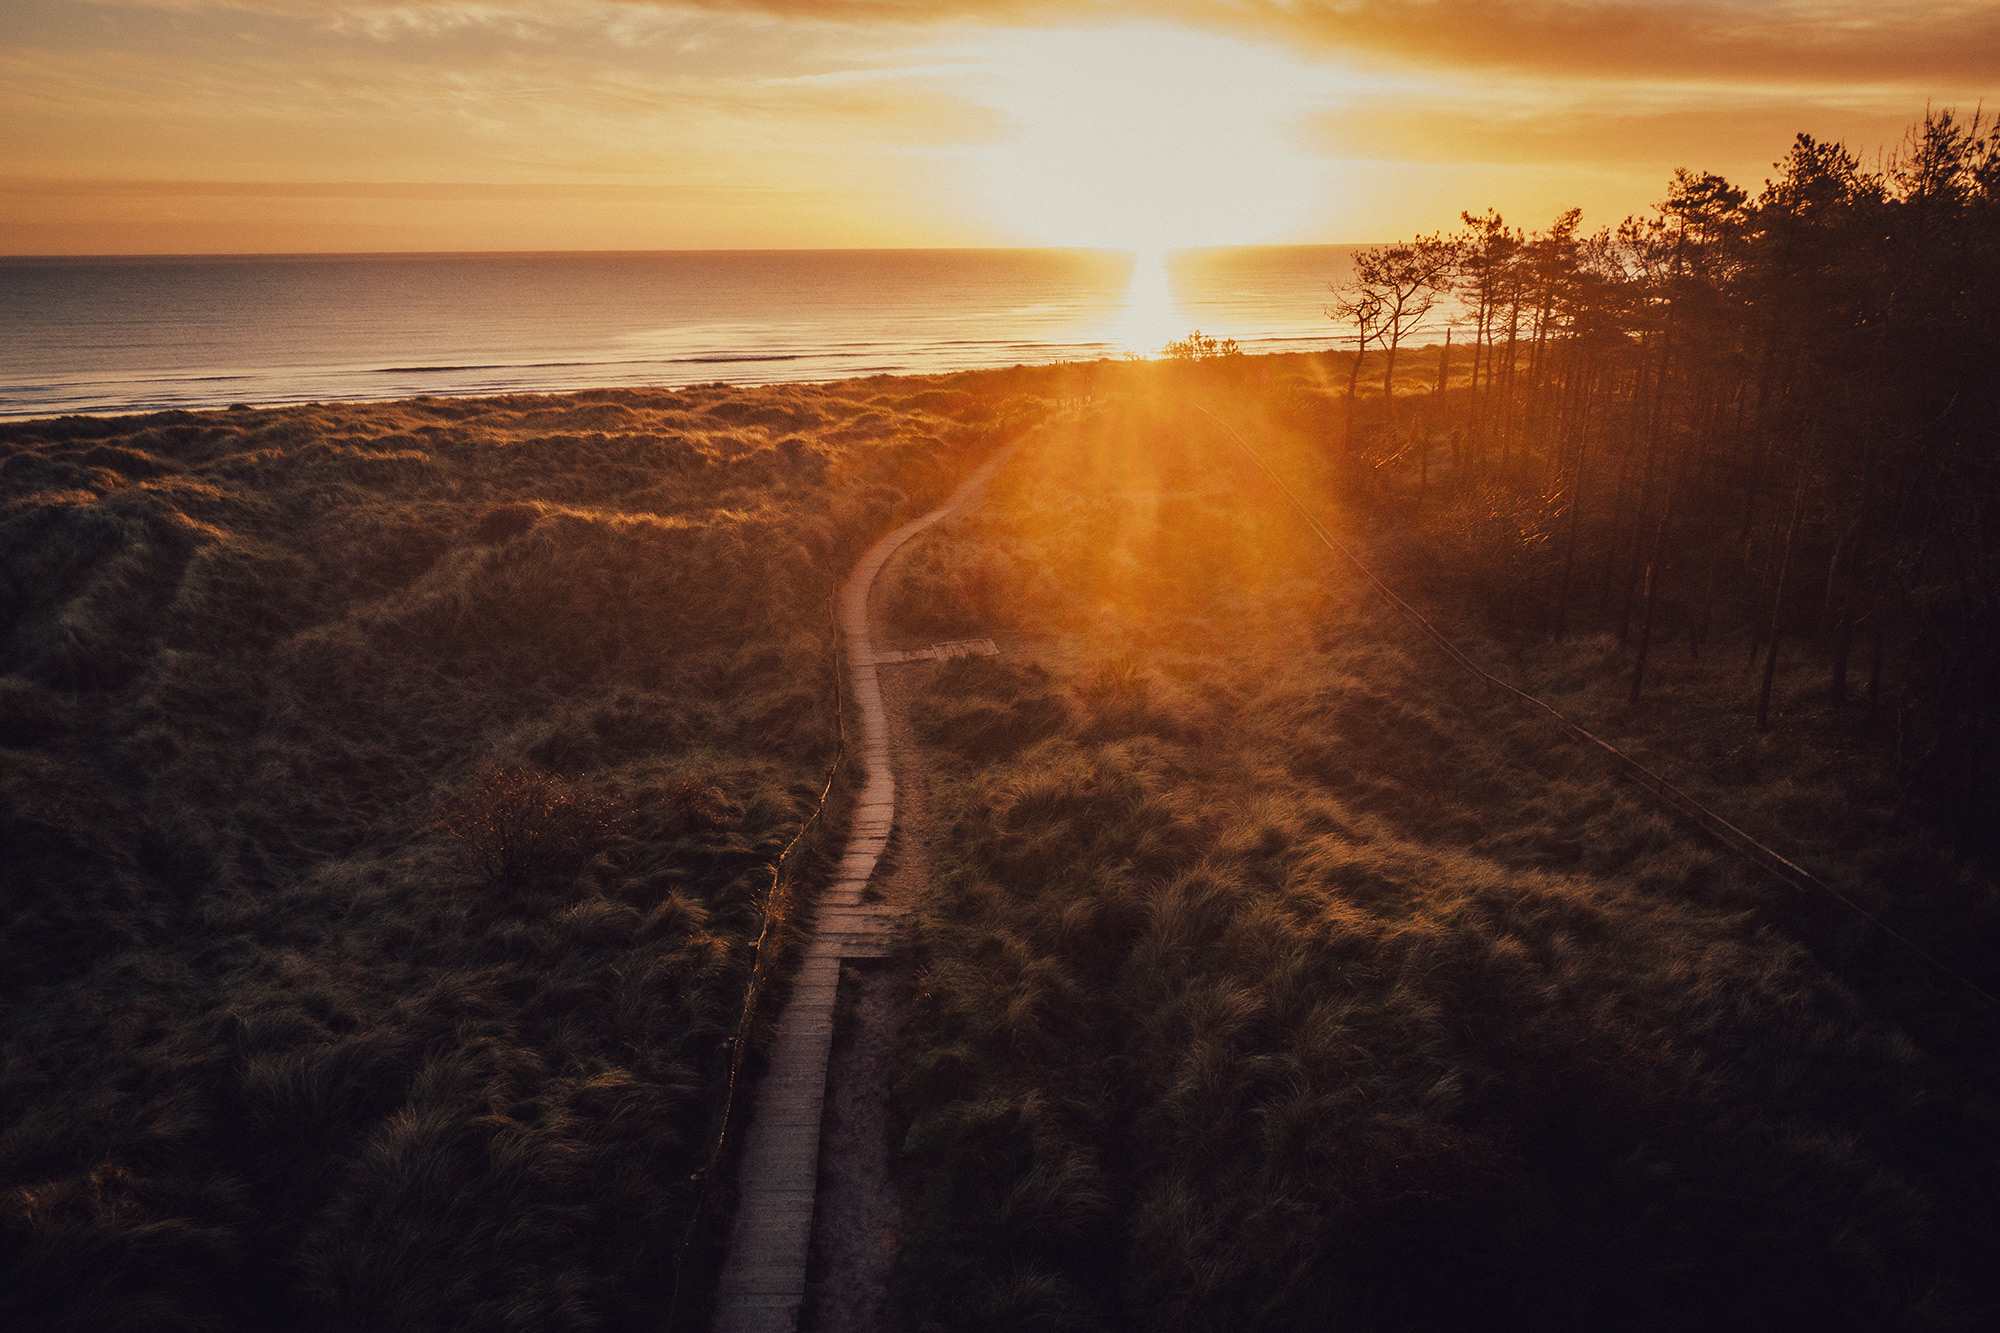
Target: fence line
{"type": "Point", "coordinates": [776, 898]}
{"type": "Point", "coordinates": [1721, 830]}
{"type": "Point", "coordinates": [707, 1204]}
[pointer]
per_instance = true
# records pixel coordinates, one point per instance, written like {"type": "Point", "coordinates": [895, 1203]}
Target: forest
{"type": "Point", "coordinates": [1279, 973]}
{"type": "Point", "coordinates": [1745, 425]}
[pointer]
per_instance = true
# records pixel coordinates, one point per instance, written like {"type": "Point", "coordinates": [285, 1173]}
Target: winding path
{"type": "Point", "coordinates": [763, 1284]}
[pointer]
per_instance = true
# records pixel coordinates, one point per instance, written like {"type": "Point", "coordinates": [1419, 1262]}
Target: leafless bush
{"type": "Point", "coordinates": [522, 825]}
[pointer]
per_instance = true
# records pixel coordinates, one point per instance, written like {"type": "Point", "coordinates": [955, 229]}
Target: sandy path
{"type": "Point", "coordinates": [763, 1283]}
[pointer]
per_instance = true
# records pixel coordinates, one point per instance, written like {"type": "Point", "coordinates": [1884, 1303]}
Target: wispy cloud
{"type": "Point", "coordinates": [1805, 40]}
{"type": "Point", "coordinates": [1952, 41]}
{"type": "Point", "coordinates": [1402, 111]}
{"type": "Point", "coordinates": [1840, 41]}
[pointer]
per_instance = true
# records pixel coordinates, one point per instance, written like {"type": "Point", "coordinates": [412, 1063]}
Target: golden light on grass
{"type": "Point", "coordinates": [1145, 138]}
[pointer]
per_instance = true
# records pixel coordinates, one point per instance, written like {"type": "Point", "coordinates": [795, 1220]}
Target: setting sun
{"type": "Point", "coordinates": [1146, 139]}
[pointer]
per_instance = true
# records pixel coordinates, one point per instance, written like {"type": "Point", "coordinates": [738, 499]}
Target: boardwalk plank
{"type": "Point", "coordinates": [764, 1277]}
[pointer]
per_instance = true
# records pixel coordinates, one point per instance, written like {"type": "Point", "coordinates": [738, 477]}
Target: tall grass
{"type": "Point", "coordinates": [386, 807]}
{"type": "Point", "coordinates": [1278, 979]}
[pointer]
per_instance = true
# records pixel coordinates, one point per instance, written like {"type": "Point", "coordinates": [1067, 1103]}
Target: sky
{"type": "Point", "coordinates": [240, 126]}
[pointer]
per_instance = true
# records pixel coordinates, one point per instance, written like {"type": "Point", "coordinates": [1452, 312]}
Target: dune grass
{"type": "Point", "coordinates": [1277, 978]}
{"type": "Point", "coordinates": [386, 810]}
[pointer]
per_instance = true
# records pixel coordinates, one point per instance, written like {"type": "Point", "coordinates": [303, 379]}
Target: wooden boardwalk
{"type": "Point", "coordinates": [763, 1285]}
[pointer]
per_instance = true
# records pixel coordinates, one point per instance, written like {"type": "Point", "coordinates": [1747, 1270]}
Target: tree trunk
{"type": "Point", "coordinates": [1778, 604]}
{"type": "Point", "coordinates": [1875, 677]}
{"type": "Point", "coordinates": [1655, 572]}
{"type": "Point", "coordinates": [1388, 391]}
{"type": "Point", "coordinates": [1609, 565]}
{"type": "Point", "coordinates": [1844, 625]}
{"type": "Point", "coordinates": [1506, 408]}
{"type": "Point", "coordinates": [1653, 432]}
{"type": "Point", "coordinates": [1698, 624]}
{"type": "Point", "coordinates": [1575, 512]}
{"type": "Point", "coordinates": [1843, 640]}
{"type": "Point", "coordinates": [1347, 434]}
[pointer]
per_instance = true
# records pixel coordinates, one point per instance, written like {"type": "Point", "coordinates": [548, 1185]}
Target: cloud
{"type": "Point", "coordinates": [1926, 42]}
{"type": "Point", "coordinates": [1791, 40]}
{"type": "Point", "coordinates": [257, 114]}
{"type": "Point", "coordinates": [1739, 140]}
{"type": "Point", "coordinates": [740, 122]}
{"type": "Point", "coordinates": [1841, 41]}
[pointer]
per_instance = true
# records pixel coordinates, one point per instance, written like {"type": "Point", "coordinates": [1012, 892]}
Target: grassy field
{"type": "Point", "coordinates": [1282, 978]}
{"type": "Point", "coordinates": [388, 793]}
{"type": "Point", "coordinates": [387, 804]}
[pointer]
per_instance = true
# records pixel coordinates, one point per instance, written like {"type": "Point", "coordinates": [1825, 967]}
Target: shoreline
{"type": "Point", "coordinates": [95, 338]}
{"type": "Point", "coordinates": [1410, 379]}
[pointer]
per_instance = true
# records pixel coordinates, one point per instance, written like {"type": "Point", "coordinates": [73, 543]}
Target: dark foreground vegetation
{"type": "Point", "coordinates": [389, 793]}
{"type": "Point", "coordinates": [1746, 426]}
{"type": "Point", "coordinates": [387, 804]}
{"type": "Point", "coordinates": [1281, 977]}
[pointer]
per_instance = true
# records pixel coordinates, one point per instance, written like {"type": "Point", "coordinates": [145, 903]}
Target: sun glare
{"type": "Point", "coordinates": [1150, 319]}
{"type": "Point", "coordinates": [1145, 139]}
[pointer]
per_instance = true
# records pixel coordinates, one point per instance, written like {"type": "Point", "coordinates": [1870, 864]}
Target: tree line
{"type": "Point", "coordinates": [1766, 421]}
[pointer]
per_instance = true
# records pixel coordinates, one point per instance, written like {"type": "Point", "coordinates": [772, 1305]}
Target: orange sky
{"type": "Point", "coordinates": [182, 126]}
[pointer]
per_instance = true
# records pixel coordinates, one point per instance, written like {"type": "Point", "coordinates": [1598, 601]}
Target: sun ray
{"type": "Point", "coordinates": [1150, 317]}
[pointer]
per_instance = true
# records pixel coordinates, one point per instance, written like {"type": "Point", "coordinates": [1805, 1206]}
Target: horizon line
{"type": "Point", "coordinates": [670, 250]}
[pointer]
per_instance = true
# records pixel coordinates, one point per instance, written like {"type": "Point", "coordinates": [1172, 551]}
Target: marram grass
{"type": "Point", "coordinates": [387, 799]}
{"type": "Point", "coordinates": [1278, 978]}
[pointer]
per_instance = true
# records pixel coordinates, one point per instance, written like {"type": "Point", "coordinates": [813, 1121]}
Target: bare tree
{"type": "Point", "coordinates": [1361, 306]}
{"type": "Point", "coordinates": [1487, 248]}
{"type": "Point", "coordinates": [1406, 281]}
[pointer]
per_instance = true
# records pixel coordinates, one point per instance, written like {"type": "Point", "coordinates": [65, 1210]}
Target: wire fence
{"type": "Point", "coordinates": [1708, 821]}
{"type": "Point", "coordinates": [710, 1204]}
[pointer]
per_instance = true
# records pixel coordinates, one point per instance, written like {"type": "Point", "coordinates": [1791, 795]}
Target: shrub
{"type": "Point", "coordinates": [701, 804]}
{"type": "Point", "coordinates": [522, 826]}
{"type": "Point", "coordinates": [499, 522]}
{"type": "Point", "coordinates": [1199, 346]}
{"type": "Point", "coordinates": [987, 709]}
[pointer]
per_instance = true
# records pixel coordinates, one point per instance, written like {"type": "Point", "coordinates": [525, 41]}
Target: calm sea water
{"type": "Point", "coordinates": [104, 335]}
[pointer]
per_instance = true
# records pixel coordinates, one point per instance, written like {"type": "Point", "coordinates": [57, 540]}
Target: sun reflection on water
{"type": "Point", "coordinates": [1150, 318]}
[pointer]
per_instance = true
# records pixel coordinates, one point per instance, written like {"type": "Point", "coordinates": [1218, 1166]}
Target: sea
{"type": "Point", "coordinates": [109, 335]}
